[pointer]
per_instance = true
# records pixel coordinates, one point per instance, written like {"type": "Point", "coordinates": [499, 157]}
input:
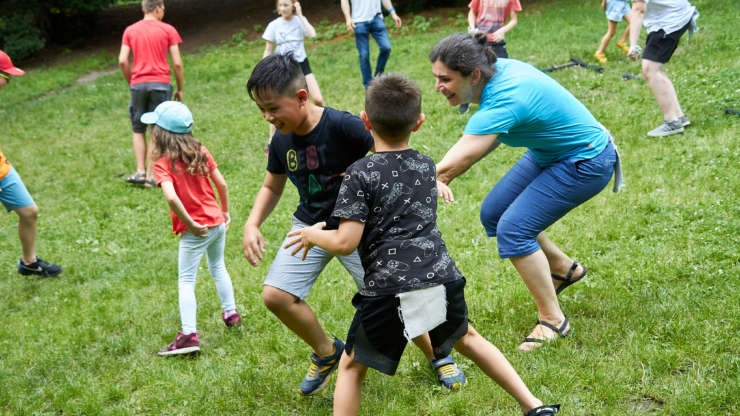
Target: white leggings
{"type": "Point", "coordinates": [191, 251]}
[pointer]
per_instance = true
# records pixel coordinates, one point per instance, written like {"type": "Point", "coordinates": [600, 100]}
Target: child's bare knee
{"type": "Point", "coordinates": [29, 213]}
{"type": "Point", "coordinates": [276, 299]}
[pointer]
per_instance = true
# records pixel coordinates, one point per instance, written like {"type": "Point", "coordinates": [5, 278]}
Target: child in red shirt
{"type": "Point", "coordinates": [183, 169]}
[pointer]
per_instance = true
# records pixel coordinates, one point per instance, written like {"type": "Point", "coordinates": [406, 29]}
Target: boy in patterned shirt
{"type": "Point", "coordinates": [312, 147]}
{"type": "Point", "coordinates": [387, 206]}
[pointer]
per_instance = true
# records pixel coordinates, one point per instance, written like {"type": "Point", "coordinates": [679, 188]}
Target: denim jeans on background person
{"type": "Point", "coordinates": [529, 198]}
{"type": "Point", "coordinates": [363, 30]}
{"type": "Point", "coordinates": [190, 253]}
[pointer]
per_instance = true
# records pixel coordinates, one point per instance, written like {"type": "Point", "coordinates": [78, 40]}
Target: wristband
{"type": "Point", "coordinates": [391, 10]}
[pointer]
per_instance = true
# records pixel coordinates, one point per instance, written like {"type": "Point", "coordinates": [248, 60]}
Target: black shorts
{"type": "Point", "coordinates": [305, 67]}
{"type": "Point", "coordinates": [145, 97]}
{"type": "Point", "coordinates": [659, 47]}
{"type": "Point", "coordinates": [499, 48]}
{"type": "Point", "coordinates": [376, 332]}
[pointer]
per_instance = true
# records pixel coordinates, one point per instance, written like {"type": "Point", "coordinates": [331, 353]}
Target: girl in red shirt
{"type": "Point", "coordinates": [184, 170]}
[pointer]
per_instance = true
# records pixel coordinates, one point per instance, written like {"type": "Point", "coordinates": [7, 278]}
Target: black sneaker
{"type": "Point", "coordinates": [39, 267]}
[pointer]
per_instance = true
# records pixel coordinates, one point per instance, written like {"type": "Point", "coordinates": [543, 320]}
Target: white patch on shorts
{"type": "Point", "coordinates": [422, 310]}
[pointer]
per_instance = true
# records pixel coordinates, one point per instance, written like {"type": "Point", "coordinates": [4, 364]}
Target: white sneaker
{"type": "Point", "coordinates": [667, 128]}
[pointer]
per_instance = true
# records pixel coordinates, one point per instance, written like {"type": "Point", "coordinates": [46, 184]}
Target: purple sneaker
{"type": "Point", "coordinates": [232, 320]}
{"type": "Point", "coordinates": [183, 344]}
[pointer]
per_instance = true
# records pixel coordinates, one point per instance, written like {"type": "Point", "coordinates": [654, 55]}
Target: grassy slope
{"type": "Point", "coordinates": [653, 324]}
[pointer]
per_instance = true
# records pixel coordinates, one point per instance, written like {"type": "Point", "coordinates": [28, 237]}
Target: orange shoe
{"type": "Point", "coordinates": [600, 57]}
{"type": "Point", "coordinates": [623, 47]}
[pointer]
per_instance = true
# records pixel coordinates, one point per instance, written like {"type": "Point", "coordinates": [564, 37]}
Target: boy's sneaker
{"type": "Point", "coordinates": [448, 373]}
{"type": "Point", "coordinates": [685, 122]}
{"type": "Point", "coordinates": [183, 344]}
{"type": "Point", "coordinates": [667, 128]}
{"type": "Point", "coordinates": [623, 46]}
{"type": "Point", "coordinates": [39, 267]}
{"type": "Point", "coordinates": [319, 374]}
{"type": "Point", "coordinates": [463, 108]}
{"type": "Point", "coordinates": [232, 320]}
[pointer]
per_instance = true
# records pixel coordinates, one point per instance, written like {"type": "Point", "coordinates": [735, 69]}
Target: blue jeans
{"type": "Point", "coordinates": [374, 27]}
{"type": "Point", "coordinates": [529, 198]}
{"type": "Point", "coordinates": [191, 252]}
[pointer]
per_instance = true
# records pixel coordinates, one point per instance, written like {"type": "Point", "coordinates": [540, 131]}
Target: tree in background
{"type": "Point", "coordinates": [26, 25]}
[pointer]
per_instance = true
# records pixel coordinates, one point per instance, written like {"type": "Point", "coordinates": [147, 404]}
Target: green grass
{"type": "Point", "coordinates": [655, 324]}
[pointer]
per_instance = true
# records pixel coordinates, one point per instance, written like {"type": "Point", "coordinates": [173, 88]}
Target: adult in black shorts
{"type": "Point", "coordinates": [666, 21]}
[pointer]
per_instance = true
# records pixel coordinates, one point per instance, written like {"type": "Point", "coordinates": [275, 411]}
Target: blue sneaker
{"type": "Point", "coordinates": [448, 373]}
{"type": "Point", "coordinates": [39, 267]}
{"type": "Point", "coordinates": [319, 374]}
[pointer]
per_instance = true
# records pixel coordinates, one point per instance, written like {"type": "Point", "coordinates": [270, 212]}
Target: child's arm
{"type": "Point", "coordinates": [471, 21]}
{"type": "Point", "coordinates": [269, 46]}
{"type": "Point", "coordinates": [445, 192]}
{"type": "Point", "coordinates": [638, 12]}
{"type": "Point", "coordinates": [267, 197]}
{"type": "Point", "coordinates": [392, 10]}
{"type": "Point", "coordinates": [347, 15]}
{"type": "Point", "coordinates": [176, 206]}
{"type": "Point", "coordinates": [223, 194]}
{"type": "Point", "coordinates": [310, 31]}
{"type": "Point", "coordinates": [500, 34]}
{"type": "Point", "coordinates": [341, 241]}
{"type": "Point", "coordinates": [123, 64]}
{"type": "Point", "coordinates": [603, 5]}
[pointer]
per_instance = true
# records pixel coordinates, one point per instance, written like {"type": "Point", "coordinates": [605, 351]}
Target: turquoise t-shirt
{"type": "Point", "coordinates": [529, 109]}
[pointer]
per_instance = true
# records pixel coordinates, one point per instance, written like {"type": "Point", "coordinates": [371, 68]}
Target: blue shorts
{"type": "Point", "coordinates": [616, 9]}
{"type": "Point", "coordinates": [13, 192]}
{"type": "Point", "coordinates": [530, 198]}
{"type": "Point", "coordinates": [295, 276]}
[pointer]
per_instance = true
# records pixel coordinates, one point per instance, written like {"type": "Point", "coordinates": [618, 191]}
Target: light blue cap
{"type": "Point", "coordinates": [172, 116]}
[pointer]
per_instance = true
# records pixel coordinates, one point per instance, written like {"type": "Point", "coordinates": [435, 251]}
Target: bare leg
{"type": "Point", "coordinates": [349, 382]}
{"type": "Point", "coordinates": [662, 88]}
{"type": "Point", "coordinates": [150, 161]}
{"type": "Point", "coordinates": [27, 217]}
{"type": "Point", "coordinates": [559, 262]}
{"type": "Point", "coordinates": [425, 345]}
{"type": "Point", "coordinates": [139, 141]}
{"type": "Point", "coordinates": [535, 271]}
{"type": "Point", "coordinates": [313, 90]}
{"type": "Point", "coordinates": [625, 35]}
{"type": "Point", "coordinates": [610, 31]}
{"type": "Point", "coordinates": [489, 359]}
{"type": "Point", "coordinates": [299, 318]}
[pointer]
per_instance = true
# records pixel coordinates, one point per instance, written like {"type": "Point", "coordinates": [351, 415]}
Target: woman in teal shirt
{"type": "Point", "coordinates": [570, 158]}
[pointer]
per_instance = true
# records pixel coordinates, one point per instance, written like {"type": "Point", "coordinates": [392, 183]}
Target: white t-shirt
{"type": "Point", "coordinates": [364, 10]}
{"type": "Point", "coordinates": [669, 15]}
{"type": "Point", "coordinates": [287, 35]}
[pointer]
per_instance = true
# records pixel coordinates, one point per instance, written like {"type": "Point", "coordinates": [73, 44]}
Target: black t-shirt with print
{"type": "Point", "coordinates": [316, 162]}
{"type": "Point", "coordinates": [395, 195]}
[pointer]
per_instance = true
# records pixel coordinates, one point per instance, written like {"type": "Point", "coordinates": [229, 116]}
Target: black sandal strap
{"type": "Point", "coordinates": [537, 340]}
{"type": "Point", "coordinates": [560, 330]}
{"type": "Point", "coordinates": [546, 410]}
{"type": "Point", "coordinates": [572, 269]}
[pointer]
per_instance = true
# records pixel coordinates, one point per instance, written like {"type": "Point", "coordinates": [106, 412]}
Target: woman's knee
{"type": "Point", "coordinates": [490, 214]}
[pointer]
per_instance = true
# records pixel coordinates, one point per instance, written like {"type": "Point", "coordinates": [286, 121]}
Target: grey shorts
{"type": "Point", "coordinates": [295, 276]}
{"type": "Point", "coordinates": [146, 97]}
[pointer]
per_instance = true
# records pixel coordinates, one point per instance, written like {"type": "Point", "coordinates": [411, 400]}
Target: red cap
{"type": "Point", "coordinates": [6, 65]}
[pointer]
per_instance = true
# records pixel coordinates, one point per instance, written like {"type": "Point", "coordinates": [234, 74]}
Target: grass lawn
{"type": "Point", "coordinates": [655, 324]}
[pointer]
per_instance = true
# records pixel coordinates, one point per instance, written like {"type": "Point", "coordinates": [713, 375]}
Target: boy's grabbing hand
{"type": "Point", "coordinates": [444, 192]}
{"type": "Point", "coordinates": [304, 239]}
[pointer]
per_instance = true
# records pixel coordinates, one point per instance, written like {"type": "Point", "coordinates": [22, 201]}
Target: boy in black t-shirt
{"type": "Point", "coordinates": [312, 147]}
{"type": "Point", "coordinates": [387, 206]}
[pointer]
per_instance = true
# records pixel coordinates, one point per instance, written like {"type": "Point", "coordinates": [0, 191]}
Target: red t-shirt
{"type": "Point", "coordinates": [150, 40]}
{"type": "Point", "coordinates": [490, 15]}
{"type": "Point", "coordinates": [195, 192]}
